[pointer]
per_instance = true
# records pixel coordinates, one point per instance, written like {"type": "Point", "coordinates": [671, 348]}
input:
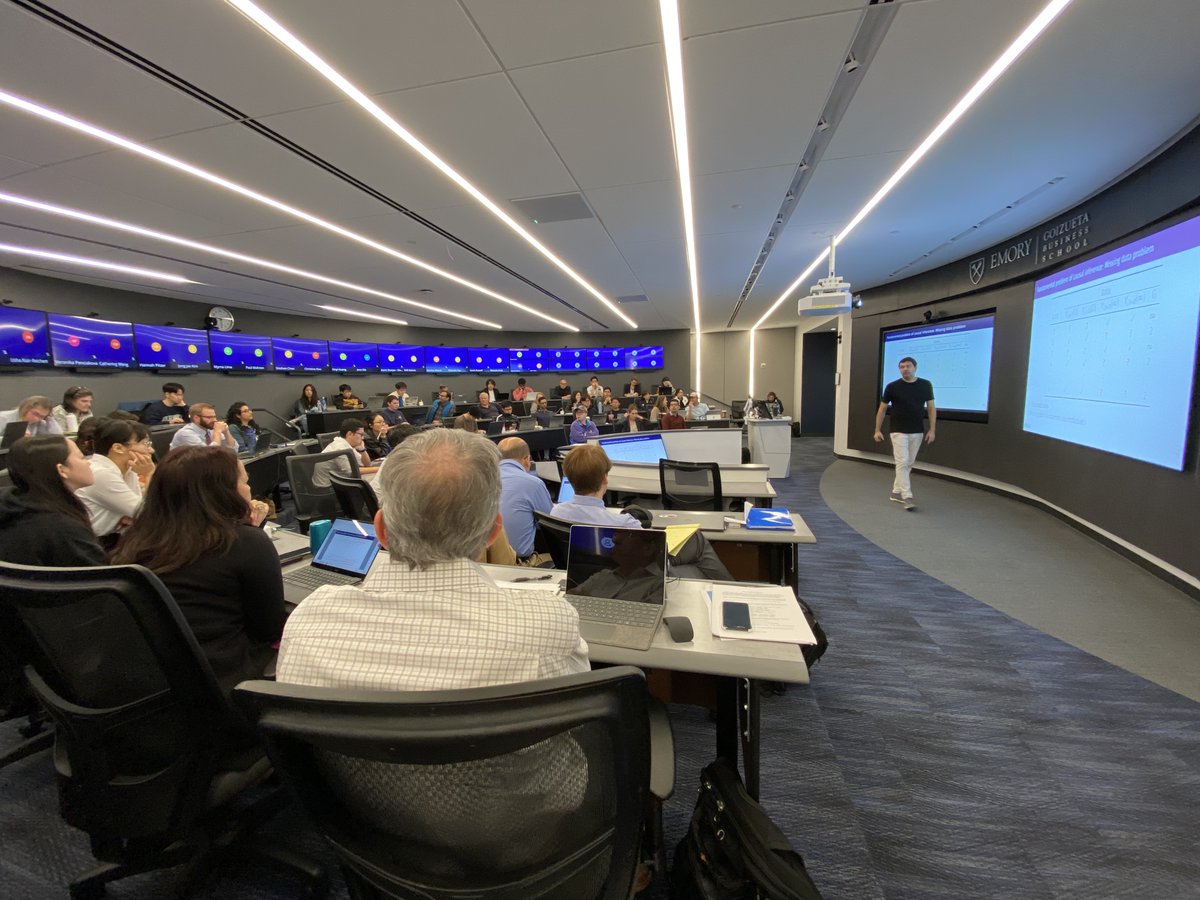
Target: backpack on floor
{"type": "Point", "coordinates": [812, 652]}
{"type": "Point", "coordinates": [733, 851]}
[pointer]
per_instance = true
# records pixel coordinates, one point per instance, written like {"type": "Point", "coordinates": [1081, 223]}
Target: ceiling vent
{"type": "Point", "coordinates": [556, 208]}
{"type": "Point", "coordinates": [632, 298]}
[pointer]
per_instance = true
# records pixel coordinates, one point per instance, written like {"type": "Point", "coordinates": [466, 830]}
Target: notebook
{"type": "Point", "coordinates": [617, 580]}
{"type": "Point", "coordinates": [345, 556]}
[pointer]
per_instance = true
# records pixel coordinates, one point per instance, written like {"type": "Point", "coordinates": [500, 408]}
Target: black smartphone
{"type": "Point", "coordinates": [735, 615]}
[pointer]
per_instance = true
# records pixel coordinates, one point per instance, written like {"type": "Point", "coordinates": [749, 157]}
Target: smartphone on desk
{"type": "Point", "coordinates": [735, 615]}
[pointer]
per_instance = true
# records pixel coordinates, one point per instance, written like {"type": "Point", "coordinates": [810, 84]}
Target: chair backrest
{"type": "Point", "coordinates": [313, 499]}
{"type": "Point", "coordinates": [556, 536]}
{"type": "Point", "coordinates": [357, 498]}
{"type": "Point", "coordinates": [325, 438]}
{"type": "Point", "coordinates": [160, 439]}
{"type": "Point", "coordinates": [690, 485]}
{"type": "Point", "coordinates": [512, 792]}
{"type": "Point", "coordinates": [140, 719]}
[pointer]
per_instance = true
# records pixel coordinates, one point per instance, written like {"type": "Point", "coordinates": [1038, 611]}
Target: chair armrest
{"type": "Point", "coordinates": [662, 751]}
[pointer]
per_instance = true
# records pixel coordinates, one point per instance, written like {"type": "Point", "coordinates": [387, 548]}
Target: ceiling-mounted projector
{"type": "Point", "coordinates": [829, 296]}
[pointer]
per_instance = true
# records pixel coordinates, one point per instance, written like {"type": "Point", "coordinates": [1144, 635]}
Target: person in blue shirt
{"type": "Point", "coordinates": [242, 426]}
{"type": "Point", "coordinates": [583, 427]}
{"type": "Point", "coordinates": [521, 494]}
{"type": "Point", "coordinates": [442, 409]}
{"type": "Point", "coordinates": [391, 411]}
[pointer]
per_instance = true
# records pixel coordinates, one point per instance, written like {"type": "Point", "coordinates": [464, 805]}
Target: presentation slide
{"type": "Point", "coordinates": [24, 338]}
{"type": "Point", "coordinates": [647, 448]}
{"type": "Point", "coordinates": [91, 343]}
{"type": "Point", "coordinates": [167, 347]}
{"type": "Point", "coordinates": [1112, 348]}
{"type": "Point", "coordinates": [236, 352]}
{"type": "Point", "coordinates": [955, 355]}
{"type": "Point", "coordinates": [351, 356]}
{"type": "Point", "coordinates": [401, 358]}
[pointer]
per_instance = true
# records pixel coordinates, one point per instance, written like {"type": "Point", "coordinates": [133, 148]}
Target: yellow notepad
{"type": "Point", "coordinates": [677, 536]}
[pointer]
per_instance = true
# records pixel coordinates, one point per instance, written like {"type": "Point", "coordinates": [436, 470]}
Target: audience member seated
{"type": "Point", "coordinates": [542, 417]}
{"type": "Point", "coordinates": [204, 430]}
{"type": "Point", "coordinates": [242, 426]}
{"type": "Point", "coordinates": [583, 427]}
{"type": "Point", "coordinates": [486, 408]}
{"type": "Point", "coordinates": [442, 410]}
{"type": "Point", "coordinates": [587, 468]}
{"type": "Point", "coordinates": [521, 391]}
{"type": "Point", "coordinates": [351, 436]}
{"type": "Point", "coordinates": [35, 413]}
{"type": "Point", "coordinates": [671, 419]}
{"type": "Point", "coordinates": [198, 531]}
{"type": "Point", "coordinates": [604, 402]}
{"type": "Point", "coordinates": [612, 412]}
{"type": "Point", "coordinates": [489, 388]}
{"type": "Point", "coordinates": [466, 422]}
{"type": "Point", "coordinates": [633, 421]}
{"type": "Point", "coordinates": [391, 411]}
{"type": "Point", "coordinates": [594, 389]}
{"type": "Point", "coordinates": [426, 618]}
{"type": "Point", "coordinates": [508, 421]}
{"type": "Point", "coordinates": [665, 388]}
{"type": "Point", "coordinates": [401, 393]}
{"type": "Point", "coordinates": [774, 405]}
{"type": "Point", "coordinates": [42, 522]}
{"type": "Point", "coordinates": [121, 460]}
{"type": "Point", "coordinates": [633, 388]}
{"type": "Point", "coordinates": [346, 399]}
{"type": "Point", "coordinates": [579, 398]}
{"type": "Point", "coordinates": [76, 408]}
{"type": "Point", "coordinates": [562, 389]}
{"type": "Point", "coordinates": [85, 438]}
{"type": "Point", "coordinates": [521, 494]}
{"type": "Point", "coordinates": [310, 401]}
{"type": "Point", "coordinates": [697, 409]}
{"type": "Point", "coordinates": [375, 437]}
{"type": "Point", "coordinates": [659, 409]}
{"type": "Point", "coordinates": [170, 410]}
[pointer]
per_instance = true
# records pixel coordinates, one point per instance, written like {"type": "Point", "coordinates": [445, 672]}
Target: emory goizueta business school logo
{"type": "Point", "coordinates": [977, 270]}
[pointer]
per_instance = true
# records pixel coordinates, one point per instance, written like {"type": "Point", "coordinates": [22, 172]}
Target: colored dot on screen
{"type": "Point", "coordinates": [287, 354]}
{"type": "Point", "coordinates": [458, 359]}
{"type": "Point", "coordinates": [115, 344]}
{"type": "Point", "coordinates": [192, 348]}
{"type": "Point", "coordinates": [228, 351]}
{"type": "Point", "coordinates": [27, 337]}
{"type": "Point", "coordinates": [258, 352]}
{"type": "Point", "coordinates": [342, 357]}
{"type": "Point", "coordinates": [156, 346]}
{"type": "Point", "coordinates": [316, 355]}
{"type": "Point", "coordinates": [73, 341]}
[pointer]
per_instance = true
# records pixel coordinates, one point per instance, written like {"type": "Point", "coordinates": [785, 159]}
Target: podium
{"type": "Point", "coordinates": [770, 443]}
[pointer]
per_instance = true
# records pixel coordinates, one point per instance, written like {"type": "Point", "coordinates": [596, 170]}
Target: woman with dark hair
{"type": "Point", "coordinates": [774, 404]}
{"type": "Point", "coordinates": [85, 438]}
{"type": "Point", "coordinates": [42, 522]}
{"type": "Point", "coordinates": [242, 426]}
{"type": "Point", "coordinates": [74, 410]}
{"type": "Point", "coordinates": [376, 437]}
{"type": "Point", "coordinates": [489, 388]}
{"type": "Point", "coordinates": [310, 401]}
{"type": "Point", "coordinates": [198, 531]}
{"type": "Point", "coordinates": [121, 455]}
{"type": "Point", "coordinates": [578, 399]}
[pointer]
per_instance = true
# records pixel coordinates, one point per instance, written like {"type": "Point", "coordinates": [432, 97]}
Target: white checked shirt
{"type": "Point", "coordinates": [441, 628]}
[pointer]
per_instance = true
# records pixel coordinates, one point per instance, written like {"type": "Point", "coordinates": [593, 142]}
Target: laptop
{"type": "Point", "coordinates": [566, 490]}
{"type": "Point", "coordinates": [13, 432]}
{"type": "Point", "coordinates": [345, 556]}
{"type": "Point", "coordinates": [262, 443]}
{"type": "Point", "coordinates": [617, 580]}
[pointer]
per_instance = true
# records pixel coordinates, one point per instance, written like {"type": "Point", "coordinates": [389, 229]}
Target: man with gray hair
{"type": "Point", "coordinates": [426, 617]}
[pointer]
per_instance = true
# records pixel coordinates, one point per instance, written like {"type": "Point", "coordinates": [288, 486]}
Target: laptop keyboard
{"type": "Point", "coordinates": [616, 612]}
{"type": "Point", "coordinates": [312, 577]}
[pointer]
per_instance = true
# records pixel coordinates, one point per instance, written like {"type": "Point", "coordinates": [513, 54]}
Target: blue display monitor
{"type": "Point", "coordinates": [606, 359]}
{"type": "Point", "coordinates": [644, 448]}
{"type": "Point", "coordinates": [167, 347]}
{"type": "Point", "coordinates": [644, 357]}
{"type": "Point", "coordinates": [80, 342]}
{"type": "Point", "coordinates": [235, 352]}
{"type": "Point", "coordinates": [300, 355]}
{"type": "Point", "coordinates": [1112, 348]}
{"type": "Point", "coordinates": [567, 360]}
{"type": "Point", "coordinates": [487, 359]}
{"type": "Point", "coordinates": [351, 356]}
{"type": "Point", "coordinates": [24, 337]}
{"type": "Point", "coordinates": [528, 359]}
{"type": "Point", "coordinates": [445, 359]}
{"type": "Point", "coordinates": [401, 358]}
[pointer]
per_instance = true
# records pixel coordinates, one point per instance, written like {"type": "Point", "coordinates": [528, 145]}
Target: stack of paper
{"type": "Point", "coordinates": [774, 614]}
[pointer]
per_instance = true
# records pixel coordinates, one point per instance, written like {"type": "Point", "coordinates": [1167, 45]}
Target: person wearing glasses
{"type": "Point", "coordinates": [170, 409]}
{"type": "Point", "coordinates": [442, 410]}
{"type": "Point", "coordinates": [76, 406]}
{"type": "Point", "coordinates": [121, 461]}
{"type": "Point", "coordinates": [242, 426]}
{"type": "Point", "coordinates": [204, 430]}
{"type": "Point", "coordinates": [35, 412]}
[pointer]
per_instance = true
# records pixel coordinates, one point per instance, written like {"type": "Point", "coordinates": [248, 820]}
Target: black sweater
{"type": "Point", "coordinates": [32, 535]}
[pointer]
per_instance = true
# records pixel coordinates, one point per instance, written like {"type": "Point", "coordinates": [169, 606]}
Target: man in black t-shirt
{"type": "Point", "coordinates": [908, 398]}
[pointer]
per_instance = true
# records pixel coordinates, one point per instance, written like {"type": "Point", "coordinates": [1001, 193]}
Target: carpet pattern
{"type": "Point", "coordinates": [943, 750]}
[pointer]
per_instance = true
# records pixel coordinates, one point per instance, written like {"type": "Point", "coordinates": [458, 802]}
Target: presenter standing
{"type": "Point", "coordinates": [908, 398]}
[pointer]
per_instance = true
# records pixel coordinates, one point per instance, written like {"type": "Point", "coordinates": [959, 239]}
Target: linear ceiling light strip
{"type": "Point", "coordinates": [95, 263]}
{"type": "Point", "coordinates": [1023, 41]}
{"type": "Point", "coordinates": [334, 77]}
{"type": "Point", "coordinates": [51, 115]}
{"type": "Point", "coordinates": [673, 49]}
{"type": "Point", "coordinates": [130, 228]}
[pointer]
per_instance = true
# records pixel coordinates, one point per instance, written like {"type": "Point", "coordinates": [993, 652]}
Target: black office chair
{"type": "Point", "coordinates": [690, 485]}
{"type": "Point", "coordinates": [356, 497]}
{"type": "Point", "coordinates": [148, 750]}
{"type": "Point", "coordinates": [325, 438]}
{"type": "Point", "coordinates": [314, 502]}
{"type": "Point", "coordinates": [555, 535]}
{"type": "Point", "coordinates": [515, 792]}
{"type": "Point", "coordinates": [160, 439]}
{"type": "Point", "coordinates": [16, 702]}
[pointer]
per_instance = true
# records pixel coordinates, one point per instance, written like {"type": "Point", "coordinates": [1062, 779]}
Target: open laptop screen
{"type": "Point", "coordinates": [350, 547]}
{"type": "Point", "coordinates": [617, 563]}
{"type": "Point", "coordinates": [647, 448]}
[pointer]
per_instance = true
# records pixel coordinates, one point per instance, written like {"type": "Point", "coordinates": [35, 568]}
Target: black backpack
{"type": "Point", "coordinates": [733, 851]}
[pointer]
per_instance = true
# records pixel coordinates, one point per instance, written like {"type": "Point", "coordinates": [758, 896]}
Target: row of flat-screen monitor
{"type": "Point", "coordinates": [29, 338]}
{"type": "Point", "coordinates": [1112, 351]}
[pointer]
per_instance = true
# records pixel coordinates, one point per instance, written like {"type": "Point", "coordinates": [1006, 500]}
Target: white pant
{"type": "Point", "coordinates": [904, 451]}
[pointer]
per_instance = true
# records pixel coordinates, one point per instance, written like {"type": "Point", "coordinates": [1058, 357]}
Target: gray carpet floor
{"type": "Point", "coordinates": [944, 749]}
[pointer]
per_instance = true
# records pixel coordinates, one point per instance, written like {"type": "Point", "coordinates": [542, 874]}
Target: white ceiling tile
{"type": "Point", "coordinates": [707, 16]}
